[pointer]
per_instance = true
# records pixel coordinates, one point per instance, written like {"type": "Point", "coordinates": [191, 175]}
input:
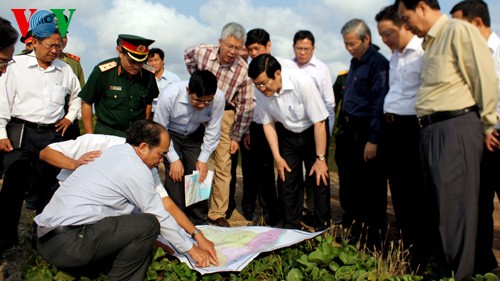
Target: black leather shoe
{"type": "Point", "coordinates": [220, 222]}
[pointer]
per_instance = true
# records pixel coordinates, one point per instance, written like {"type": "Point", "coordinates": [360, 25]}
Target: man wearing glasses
{"type": "Point", "coordinates": [32, 96]}
{"type": "Point", "coordinates": [192, 113]}
{"type": "Point", "coordinates": [122, 89]}
{"type": "Point", "coordinates": [294, 118]}
{"type": "Point", "coordinates": [9, 37]}
{"type": "Point", "coordinates": [231, 70]}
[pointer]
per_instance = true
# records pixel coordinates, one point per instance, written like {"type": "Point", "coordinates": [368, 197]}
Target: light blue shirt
{"type": "Point", "coordinates": [175, 112]}
{"type": "Point", "coordinates": [166, 79]}
{"type": "Point", "coordinates": [116, 183]}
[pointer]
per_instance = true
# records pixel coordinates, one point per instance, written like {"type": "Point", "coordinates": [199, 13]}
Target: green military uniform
{"type": "Point", "coordinates": [118, 100]}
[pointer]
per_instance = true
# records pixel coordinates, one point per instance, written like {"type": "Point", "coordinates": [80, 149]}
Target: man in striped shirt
{"type": "Point", "coordinates": [231, 70]}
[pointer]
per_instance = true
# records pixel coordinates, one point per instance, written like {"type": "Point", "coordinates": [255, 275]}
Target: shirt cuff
{"type": "Point", "coordinates": [3, 133]}
{"type": "Point", "coordinates": [203, 156]}
{"type": "Point", "coordinates": [172, 156]}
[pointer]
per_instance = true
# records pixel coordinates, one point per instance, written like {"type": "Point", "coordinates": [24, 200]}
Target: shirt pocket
{"type": "Point", "coordinates": [297, 112]}
{"type": "Point", "coordinates": [114, 99]}
{"type": "Point", "coordinates": [437, 70]}
{"type": "Point", "coordinates": [411, 81]}
{"type": "Point", "coordinates": [58, 95]}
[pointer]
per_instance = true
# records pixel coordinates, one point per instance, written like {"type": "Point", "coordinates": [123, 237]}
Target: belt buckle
{"type": "Point", "coordinates": [390, 118]}
{"type": "Point", "coordinates": [346, 119]}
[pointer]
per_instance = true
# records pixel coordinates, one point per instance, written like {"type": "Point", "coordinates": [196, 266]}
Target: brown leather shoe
{"type": "Point", "coordinates": [220, 222]}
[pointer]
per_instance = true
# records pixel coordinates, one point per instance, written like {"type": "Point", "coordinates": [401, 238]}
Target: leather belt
{"type": "Point", "coordinates": [58, 230]}
{"type": "Point", "coordinates": [36, 126]}
{"type": "Point", "coordinates": [393, 118]}
{"type": "Point", "coordinates": [443, 115]}
{"type": "Point", "coordinates": [229, 107]}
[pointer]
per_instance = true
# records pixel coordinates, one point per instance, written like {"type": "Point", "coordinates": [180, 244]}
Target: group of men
{"type": "Point", "coordinates": [418, 121]}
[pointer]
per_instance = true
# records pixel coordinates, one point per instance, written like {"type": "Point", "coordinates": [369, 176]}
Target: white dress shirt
{"type": "Point", "coordinates": [493, 45]}
{"type": "Point", "coordinates": [297, 106]}
{"type": "Point", "coordinates": [115, 184]}
{"type": "Point", "coordinates": [320, 73]}
{"type": "Point", "coordinates": [404, 78]}
{"type": "Point", "coordinates": [74, 149]}
{"type": "Point", "coordinates": [38, 95]}
{"type": "Point", "coordinates": [176, 113]}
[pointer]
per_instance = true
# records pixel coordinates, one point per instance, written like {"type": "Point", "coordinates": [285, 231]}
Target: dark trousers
{"type": "Point", "coordinates": [297, 149]}
{"type": "Point", "coordinates": [245, 170]}
{"type": "Point", "coordinates": [188, 148]}
{"type": "Point", "coordinates": [451, 152]}
{"type": "Point", "coordinates": [23, 168]}
{"type": "Point", "coordinates": [490, 166]}
{"type": "Point", "coordinates": [363, 185]}
{"type": "Point", "coordinates": [121, 245]}
{"type": "Point", "coordinates": [400, 153]}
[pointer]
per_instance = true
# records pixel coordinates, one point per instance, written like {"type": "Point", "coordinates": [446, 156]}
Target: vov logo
{"type": "Point", "coordinates": [24, 25]}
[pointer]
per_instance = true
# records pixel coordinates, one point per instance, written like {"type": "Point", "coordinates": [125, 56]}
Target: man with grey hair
{"type": "Point", "coordinates": [363, 186]}
{"type": "Point", "coordinates": [231, 70]}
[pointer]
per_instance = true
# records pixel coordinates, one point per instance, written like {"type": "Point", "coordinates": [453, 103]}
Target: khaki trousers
{"type": "Point", "coordinates": [219, 198]}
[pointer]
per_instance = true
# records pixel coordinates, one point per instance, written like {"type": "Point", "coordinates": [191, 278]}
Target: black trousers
{"type": "Point", "coordinates": [490, 166]}
{"type": "Point", "coordinates": [120, 246]}
{"type": "Point", "coordinates": [188, 148]}
{"type": "Point", "coordinates": [363, 185]}
{"type": "Point", "coordinates": [451, 153]}
{"type": "Point", "coordinates": [298, 149]}
{"type": "Point", "coordinates": [23, 168]}
{"type": "Point", "coordinates": [400, 153]}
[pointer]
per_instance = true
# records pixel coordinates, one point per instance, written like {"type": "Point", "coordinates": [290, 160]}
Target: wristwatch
{"type": "Point", "coordinates": [321, 157]}
{"type": "Point", "coordinates": [196, 231]}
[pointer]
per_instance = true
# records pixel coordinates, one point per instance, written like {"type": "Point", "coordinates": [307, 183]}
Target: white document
{"type": "Point", "coordinates": [196, 191]}
{"type": "Point", "coordinates": [237, 246]}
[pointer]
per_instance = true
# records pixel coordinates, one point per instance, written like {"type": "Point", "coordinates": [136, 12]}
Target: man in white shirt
{"type": "Point", "coordinates": [36, 107]}
{"type": "Point", "coordinates": [192, 113]}
{"type": "Point", "coordinates": [108, 213]}
{"type": "Point", "coordinates": [400, 137]}
{"type": "Point", "coordinates": [293, 112]}
{"type": "Point", "coordinates": [476, 12]}
{"type": "Point", "coordinates": [156, 59]}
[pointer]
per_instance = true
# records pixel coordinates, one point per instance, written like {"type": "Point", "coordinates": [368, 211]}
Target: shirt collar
{"type": "Point", "coordinates": [33, 62]}
{"type": "Point", "coordinates": [414, 44]}
{"type": "Point", "coordinates": [286, 83]}
{"type": "Point", "coordinates": [313, 61]}
{"type": "Point", "coordinates": [435, 29]}
{"type": "Point", "coordinates": [365, 57]}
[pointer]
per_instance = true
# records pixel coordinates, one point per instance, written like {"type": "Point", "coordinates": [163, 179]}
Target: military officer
{"type": "Point", "coordinates": [121, 89]}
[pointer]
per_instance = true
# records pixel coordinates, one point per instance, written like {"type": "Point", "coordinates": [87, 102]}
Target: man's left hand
{"type": "Point", "coordinates": [63, 124]}
{"type": "Point", "coordinates": [321, 169]}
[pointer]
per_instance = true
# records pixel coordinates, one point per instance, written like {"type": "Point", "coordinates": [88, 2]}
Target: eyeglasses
{"type": "Point", "coordinates": [260, 86]}
{"type": "Point", "coordinates": [199, 101]}
{"type": "Point", "coordinates": [7, 63]}
{"type": "Point", "coordinates": [231, 47]}
{"type": "Point", "coordinates": [58, 47]}
{"type": "Point", "coordinates": [302, 49]}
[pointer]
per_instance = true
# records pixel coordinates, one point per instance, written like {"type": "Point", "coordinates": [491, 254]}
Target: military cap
{"type": "Point", "coordinates": [135, 46]}
{"type": "Point", "coordinates": [28, 38]}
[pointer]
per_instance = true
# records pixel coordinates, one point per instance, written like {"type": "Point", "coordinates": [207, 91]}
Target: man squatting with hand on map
{"type": "Point", "coordinates": [108, 208]}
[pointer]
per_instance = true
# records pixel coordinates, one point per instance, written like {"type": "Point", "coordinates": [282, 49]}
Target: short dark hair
{"type": "Point", "coordinates": [389, 13]}
{"type": "Point", "coordinates": [303, 34]}
{"type": "Point", "coordinates": [263, 62]}
{"type": "Point", "coordinates": [472, 9]}
{"type": "Point", "coordinates": [8, 34]}
{"type": "Point", "coordinates": [146, 131]}
{"type": "Point", "coordinates": [412, 4]}
{"type": "Point", "coordinates": [257, 35]}
{"type": "Point", "coordinates": [202, 83]}
{"type": "Point", "coordinates": [158, 51]}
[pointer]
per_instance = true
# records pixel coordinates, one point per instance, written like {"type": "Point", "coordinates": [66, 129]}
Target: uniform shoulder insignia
{"type": "Point", "coordinates": [343, 72]}
{"type": "Point", "coordinates": [148, 68]}
{"type": "Point", "coordinates": [73, 57]}
{"type": "Point", "coordinates": [107, 66]}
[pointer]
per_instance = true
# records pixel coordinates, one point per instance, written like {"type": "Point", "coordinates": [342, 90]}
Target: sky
{"type": "Point", "coordinates": [178, 24]}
